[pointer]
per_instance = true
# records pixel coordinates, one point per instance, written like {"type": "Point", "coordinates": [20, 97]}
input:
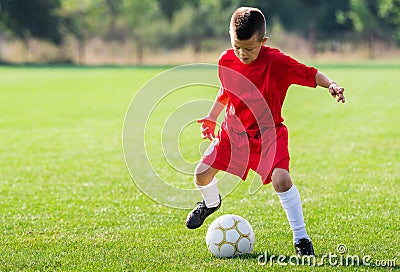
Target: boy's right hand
{"type": "Point", "coordinates": [207, 128]}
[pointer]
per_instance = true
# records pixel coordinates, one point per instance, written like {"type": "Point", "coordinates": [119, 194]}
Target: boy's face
{"type": "Point", "coordinates": [247, 50]}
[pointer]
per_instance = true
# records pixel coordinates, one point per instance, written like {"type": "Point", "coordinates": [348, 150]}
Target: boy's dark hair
{"type": "Point", "coordinates": [246, 22]}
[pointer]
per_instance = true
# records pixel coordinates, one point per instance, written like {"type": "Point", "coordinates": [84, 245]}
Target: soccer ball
{"type": "Point", "coordinates": [230, 235]}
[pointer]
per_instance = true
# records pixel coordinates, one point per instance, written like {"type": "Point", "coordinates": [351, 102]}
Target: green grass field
{"type": "Point", "coordinates": [67, 202]}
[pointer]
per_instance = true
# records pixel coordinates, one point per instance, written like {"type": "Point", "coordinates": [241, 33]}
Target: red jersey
{"type": "Point", "coordinates": [256, 91]}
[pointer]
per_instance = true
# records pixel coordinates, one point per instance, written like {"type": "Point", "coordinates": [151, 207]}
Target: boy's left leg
{"type": "Point", "coordinates": [291, 203]}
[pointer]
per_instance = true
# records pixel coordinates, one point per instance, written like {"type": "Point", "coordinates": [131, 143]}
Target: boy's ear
{"type": "Point", "coordinates": [264, 40]}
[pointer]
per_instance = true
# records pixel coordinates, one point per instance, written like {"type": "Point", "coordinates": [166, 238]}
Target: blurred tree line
{"type": "Point", "coordinates": [171, 24]}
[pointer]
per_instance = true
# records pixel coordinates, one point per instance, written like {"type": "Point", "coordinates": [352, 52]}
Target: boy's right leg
{"type": "Point", "coordinates": [207, 184]}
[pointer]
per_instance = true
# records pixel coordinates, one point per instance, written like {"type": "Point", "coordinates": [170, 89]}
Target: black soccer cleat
{"type": "Point", "coordinates": [197, 216]}
{"type": "Point", "coordinates": [304, 247]}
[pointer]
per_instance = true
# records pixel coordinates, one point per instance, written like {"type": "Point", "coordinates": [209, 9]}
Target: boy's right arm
{"type": "Point", "coordinates": [208, 122]}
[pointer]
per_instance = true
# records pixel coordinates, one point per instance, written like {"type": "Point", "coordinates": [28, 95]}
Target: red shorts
{"type": "Point", "coordinates": [237, 153]}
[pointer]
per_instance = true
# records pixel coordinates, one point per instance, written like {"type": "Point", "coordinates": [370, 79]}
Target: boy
{"type": "Point", "coordinates": [246, 121]}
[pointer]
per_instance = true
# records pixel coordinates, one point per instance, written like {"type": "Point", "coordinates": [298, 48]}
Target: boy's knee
{"type": "Point", "coordinates": [281, 180]}
{"type": "Point", "coordinates": [204, 174]}
{"type": "Point", "coordinates": [201, 179]}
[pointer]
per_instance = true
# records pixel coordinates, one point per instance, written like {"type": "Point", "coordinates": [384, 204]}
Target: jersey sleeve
{"type": "Point", "coordinates": [222, 93]}
{"type": "Point", "coordinates": [301, 74]}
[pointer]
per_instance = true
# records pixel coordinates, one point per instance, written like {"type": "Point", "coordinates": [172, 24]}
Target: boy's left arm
{"type": "Point", "coordinates": [335, 90]}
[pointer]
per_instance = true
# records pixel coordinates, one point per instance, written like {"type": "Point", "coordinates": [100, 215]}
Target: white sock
{"type": "Point", "coordinates": [210, 193]}
{"type": "Point", "coordinates": [291, 203]}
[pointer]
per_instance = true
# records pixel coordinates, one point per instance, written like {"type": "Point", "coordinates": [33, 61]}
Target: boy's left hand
{"type": "Point", "coordinates": [337, 91]}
